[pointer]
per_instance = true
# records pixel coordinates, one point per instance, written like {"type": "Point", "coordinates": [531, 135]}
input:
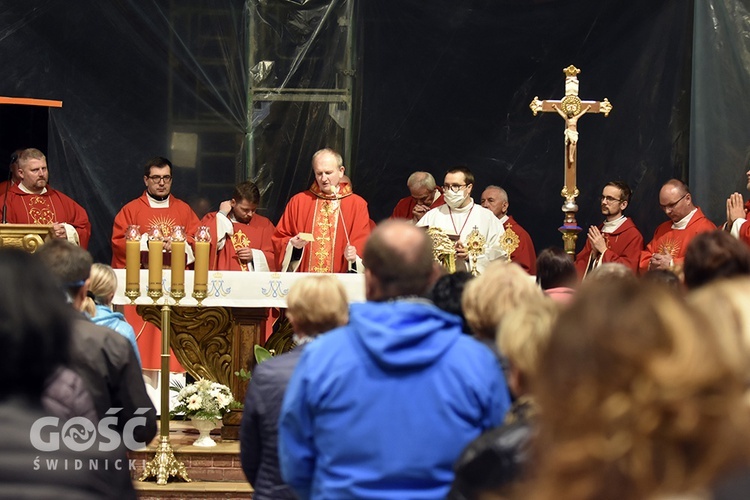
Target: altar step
{"type": "Point", "coordinates": [214, 472]}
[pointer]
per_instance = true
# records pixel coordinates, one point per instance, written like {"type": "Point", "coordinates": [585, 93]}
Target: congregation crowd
{"type": "Point", "coordinates": [618, 373]}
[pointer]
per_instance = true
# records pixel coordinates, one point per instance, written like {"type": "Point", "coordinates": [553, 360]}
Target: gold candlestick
{"type": "Point", "coordinates": [155, 263]}
{"type": "Point", "coordinates": [177, 289]}
{"type": "Point", "coordinates": [133, 263]}
{"type": "Point", "coordinates": [202, 249]}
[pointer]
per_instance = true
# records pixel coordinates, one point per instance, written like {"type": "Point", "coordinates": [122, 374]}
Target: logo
{"type": "Point", "coordinates": [80, 434]}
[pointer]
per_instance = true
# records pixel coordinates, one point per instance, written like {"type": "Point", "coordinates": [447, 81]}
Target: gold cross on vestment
{"type": "Point", "coordinates": [570, 108]}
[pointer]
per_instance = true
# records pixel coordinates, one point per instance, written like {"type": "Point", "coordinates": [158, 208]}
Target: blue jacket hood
{"type": "Point", "coordinates": [404, 334]}
{"type": "Point", "coordinates": [107, 317]}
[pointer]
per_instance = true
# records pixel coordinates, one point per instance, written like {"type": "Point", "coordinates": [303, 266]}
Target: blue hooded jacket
{"type": "Point", "coordinates": [116, 321]}
{"type": "Point", "coordinates": [383, 407]}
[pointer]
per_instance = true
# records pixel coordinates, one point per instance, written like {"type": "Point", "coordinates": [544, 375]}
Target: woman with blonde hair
{"type": "Point", "coordinates": [487, 298]}
{"type": "Point", "coordinates": [637, 400]}
{"type": "Point", "coordinates": [98, 304]}
{"type": "Point", "coordinates": [315, 305]}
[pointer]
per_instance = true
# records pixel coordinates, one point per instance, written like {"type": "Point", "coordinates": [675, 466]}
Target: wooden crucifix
{"type": "Point", "coordinates": [570, 108]}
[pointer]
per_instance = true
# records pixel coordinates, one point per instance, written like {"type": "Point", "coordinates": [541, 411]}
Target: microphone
{"type": "Point", "coordinates": [13, 159]}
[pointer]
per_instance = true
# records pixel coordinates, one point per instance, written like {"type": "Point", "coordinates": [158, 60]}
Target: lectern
{"type": "Point", "coordinates": [27, 237]}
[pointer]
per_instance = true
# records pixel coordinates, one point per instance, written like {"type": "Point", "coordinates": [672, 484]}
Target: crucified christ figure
{"type": "Point", "coordinates": [571, 129]}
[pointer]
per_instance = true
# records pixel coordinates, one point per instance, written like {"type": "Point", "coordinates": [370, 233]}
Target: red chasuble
{"type": "Point", "coordinates": [624, 246]}
{"type": "Point", "coordinates": [49, 207]}
{"type": "Point", "coordinates": [524, 255]}
{"type": "Point", "coordinates": [405, 206]}
{"type": "Point", "coordinates": [139, 212]}
{"type": "Point", "coordinates": [255, 234]}
{"type": "Point", "coordinates": [329, 220]}
{"type": "Point", "coordinates": [745, 227]}
{"type": "Point", "coordinates": [674, 242]}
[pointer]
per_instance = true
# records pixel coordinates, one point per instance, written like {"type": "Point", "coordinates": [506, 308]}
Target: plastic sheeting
{"type": "Point", "coordinates": [416, 86]}
{"type": "Point", "coordinates": [720, 120]}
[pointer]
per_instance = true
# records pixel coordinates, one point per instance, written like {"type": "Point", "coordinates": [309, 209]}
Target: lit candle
{"type": "Point", "coordinates": [132, 262]}
{"type": "Point", "coordinates": [178, 262]}
{"type": "Point", "coordinates": [155, 262]}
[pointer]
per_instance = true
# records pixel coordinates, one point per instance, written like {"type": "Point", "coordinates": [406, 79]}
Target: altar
{"type": "Point", "coordinates": [215, 339]}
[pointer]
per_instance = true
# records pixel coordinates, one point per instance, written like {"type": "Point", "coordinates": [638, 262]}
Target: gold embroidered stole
{"type": "Point", "coordinates": [39, 209]}
{"type": "Point", "coordinates": [325, 223]}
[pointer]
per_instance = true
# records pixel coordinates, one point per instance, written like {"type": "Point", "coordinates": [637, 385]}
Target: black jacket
{"type": "Point", "coordinates": [259, 432]}
{"type": "Point", "coordinates": [106, 362]}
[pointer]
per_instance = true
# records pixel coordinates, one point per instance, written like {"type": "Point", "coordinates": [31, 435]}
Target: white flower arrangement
{"type": "Point", "coordinates": [202, 399]}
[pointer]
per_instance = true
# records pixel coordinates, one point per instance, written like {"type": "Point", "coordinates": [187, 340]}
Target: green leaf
{"type": "Point", "coordinates": [262, 354]}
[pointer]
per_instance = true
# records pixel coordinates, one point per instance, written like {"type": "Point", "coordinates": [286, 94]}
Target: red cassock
{"type": "Point", "coordinates": [325, 217]}
{"type": "Point", "coordinates": [745, 227]}
{"type": "Point", "coordinates": [624, 246]}
{"type": "Point", "coordinates": [49, 207]}
{"type": "Point", "coordinates": [405, 206]}
{"type": "Point", "coordinates": [524, 255]}
{"type": "Point", "coordinates": [674, 242]}
{"type": "Point", "coordinates": [255, 234]}
{"type": "Point", "coordinates": [140, 213]}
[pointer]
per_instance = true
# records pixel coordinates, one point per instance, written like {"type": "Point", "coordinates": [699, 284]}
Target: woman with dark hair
{"type": "Point", "coordinates": [556, 274]}
{"type": "Point", "coordinates": [35, 334]}
{"type": "Point", "coordinates": [714, 255]}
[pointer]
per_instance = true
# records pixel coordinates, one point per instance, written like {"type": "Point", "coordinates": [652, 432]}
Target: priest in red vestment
{"type": "Point", "coordinates": [424, 196]}
{"type": "Point", "coordinates": [323, 229]}
{"type": "Point", "coordinates": [32, 201]}
{"type": "Point", "coordinates": [667, 248]}
{"type": "Point", "coordinates": [495, 199]}
{"type": "Point", "coordinates": [241, 239]}
{"type": "Point", "coordinates": [737, 222]}
{"type": "Point", "coordinates": [155, 207]}
{"type": "Point", "coordinates": [617, 239]}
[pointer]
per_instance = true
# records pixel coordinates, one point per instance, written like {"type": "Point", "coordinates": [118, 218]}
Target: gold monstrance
{"type": "Point", "coordinates": [509, 242]}
{"type": "Point", "coordinates": [443, 249]}
{"type": "Point", "coordinates": [475, 243]}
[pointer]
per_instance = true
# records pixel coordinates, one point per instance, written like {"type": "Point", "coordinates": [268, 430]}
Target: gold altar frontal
{"type": "Point", "coordinates": [215, 342]}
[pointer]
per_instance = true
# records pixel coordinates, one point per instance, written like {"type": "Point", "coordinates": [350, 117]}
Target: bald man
{"type": "Point", "coordinates": [398, 361]}
{"type": "Point", "coordinates": [667, 248]}
{"type": "Point", "coordinates": [495, 199]}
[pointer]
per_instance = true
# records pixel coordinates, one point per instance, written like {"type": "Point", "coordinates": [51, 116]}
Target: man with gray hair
{"type": "Point", "coordinates": [425, 195]}
{"type": "Point", "coordinates": [353, 421]}
{"type": "Point", "coordinates": [495, 199]}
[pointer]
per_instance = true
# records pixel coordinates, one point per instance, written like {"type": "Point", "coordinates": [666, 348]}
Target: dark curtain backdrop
{"type": "Point", "coordinates": [438, 84]}
{"type": "Point", "coordinates": [452, 84]}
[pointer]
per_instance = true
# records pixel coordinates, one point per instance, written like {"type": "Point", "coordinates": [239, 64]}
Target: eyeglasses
{"type": "Point", "coordinates": [671, 206]}
{"type": "Point", "coordinates": [609, 199]}
{"type": "Point", "coordinates": [454, 187]}
{"type": "Point", "coordinates": [157, 179]}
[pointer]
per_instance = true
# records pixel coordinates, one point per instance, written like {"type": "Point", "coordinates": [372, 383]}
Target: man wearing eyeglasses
{"type": "Point", "coordinates": [32, 201]}
{"type": "Point", "coordinates": [460, 216]}
{"type": "Point", "coordinates": [424, 195]}
{"type": "Point", "coordinates": [617, 239]}
{"type": "Point", "coordinates": [155, 207]}
{"type": "Point", "coordinates": [667, 248]}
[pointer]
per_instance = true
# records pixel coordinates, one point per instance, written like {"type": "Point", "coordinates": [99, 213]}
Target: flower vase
{"type": "Point", "coordinates": [204, 426]}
